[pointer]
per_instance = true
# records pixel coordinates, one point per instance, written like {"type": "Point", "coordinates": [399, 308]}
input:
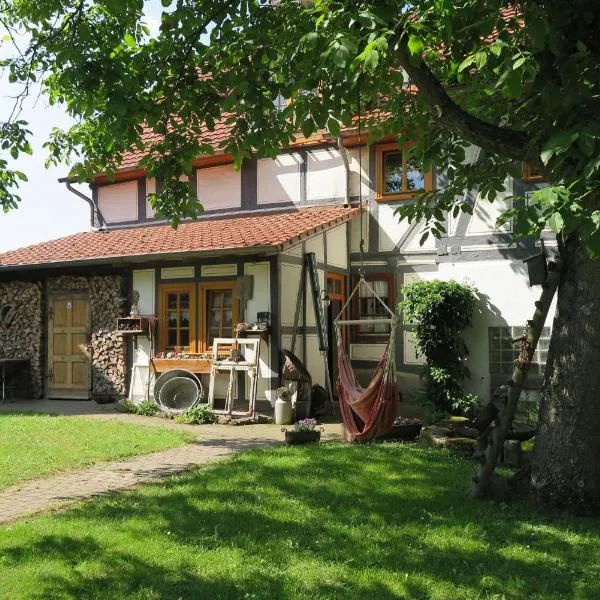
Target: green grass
{"type": "Point", "coordinates": [35, 445]}
{"type": "Point", "coordinates": [335, 521]}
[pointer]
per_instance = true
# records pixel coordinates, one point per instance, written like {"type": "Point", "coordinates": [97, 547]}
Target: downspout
{"type": "Point", "coordinates": [344, 155]}
{"type": "Point", "coordinates": [96, 218]}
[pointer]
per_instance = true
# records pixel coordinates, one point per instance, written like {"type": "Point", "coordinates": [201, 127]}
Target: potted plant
{"type": "Point", "coordinates": [404, 428]}
{"type": "Point", "coordinates": [303, 432]}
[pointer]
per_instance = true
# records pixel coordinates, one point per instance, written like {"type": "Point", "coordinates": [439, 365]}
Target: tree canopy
{"type": "Point", "coordinates": [519, 79]}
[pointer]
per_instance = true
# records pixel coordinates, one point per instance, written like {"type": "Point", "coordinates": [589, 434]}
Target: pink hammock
{"type": "Point", "coordinates": [367, 412]}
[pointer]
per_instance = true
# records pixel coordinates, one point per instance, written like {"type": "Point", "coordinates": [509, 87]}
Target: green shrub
{"type": "Point", "coordinates": [145, 408]}
{"type": "Point", "coordinates": [129, 407]}
{"type": "Point", "coordinates": [201, 414]}
{"type": "Point", "coordinates": [440, 311]}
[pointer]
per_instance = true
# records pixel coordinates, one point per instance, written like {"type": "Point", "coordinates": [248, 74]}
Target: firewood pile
{"type": "Point", "coordinates": [109, 347]}
{"type": "Point", "coordinates": [20, 337]}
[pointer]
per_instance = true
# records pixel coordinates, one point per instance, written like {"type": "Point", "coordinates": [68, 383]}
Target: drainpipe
{"type": "Point", "coordinates": [344, 155]}
{"type": "Point", "coordinates": [96, 218]}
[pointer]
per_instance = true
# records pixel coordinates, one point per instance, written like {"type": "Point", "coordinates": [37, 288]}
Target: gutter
{"type": "Point", "coordinates": [344, 155]}
{"type": "Point", "coordinates": [96, 217]}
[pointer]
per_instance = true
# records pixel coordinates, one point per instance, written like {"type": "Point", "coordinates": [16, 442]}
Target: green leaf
{"type": "Point", "coordinates": [129, 40]}
{"type": "Point", "coordinates": [341, 56]}
{"type": "Point", "coordinates": [557, 144]}
{"type": "Point", "coordinates": [466, 63]}
{"type": "Point", "coordinates": [334, 126]}
{"type": "Point", "coordinates": [555, 222]}
{"type": "Point", "coordinates": [415, 45]}
{"type": "Point", "coordinates": [519, 62]}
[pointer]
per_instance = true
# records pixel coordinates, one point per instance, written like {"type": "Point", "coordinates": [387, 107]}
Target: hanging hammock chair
{"type": "Point", "coordinates": [367, 412]}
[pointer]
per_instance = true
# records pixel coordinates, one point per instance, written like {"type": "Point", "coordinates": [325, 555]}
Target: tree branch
{"type": "Point", "coordinates": [499, 140]}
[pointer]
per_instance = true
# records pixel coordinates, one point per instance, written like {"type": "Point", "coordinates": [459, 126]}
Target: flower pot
{"type": "Point", "coordinates": [403, 431]}
{"type": "Point", "coordinates": [301, 437]}
{"type": "Point", "coordinates": [302, 409]}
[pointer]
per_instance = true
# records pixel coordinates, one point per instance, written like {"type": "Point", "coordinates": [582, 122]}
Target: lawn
{"type": "Point", "coordinates": [35, 445]}
{"type": "Point", "coordinates": [336, 521]}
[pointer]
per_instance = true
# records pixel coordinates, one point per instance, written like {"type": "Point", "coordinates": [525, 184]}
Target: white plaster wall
{"type": "Point", "coordinates": [261, 296]}
{"type": "Point", "coordinates": [286, 344]}
{"type": "Point", "coordinates": [337, 248]}
{"type": "Point", "coordinates": [290, 282]}
{"type": "Point", "coordinates": [370, 351]}
{"type": "Point", "coordinates": [355, 232]}
{"type": "Point", "coordinates": [229, 270]}
{"type": "Point", "coordinates": [314, 360]}
{"type": "Point", "coordinates": [505, 300]}
{"type": "Point", "coordinates": [279, 179]}
{"type": "Point", "coordinates": [310, 313]}
{"type": "Point", "coordinates": [391, 229]}
{"type": "Point", "coordinates": [150, 189]}
{"type": "Point", "coordinates": [118, 201]}
{"type": "Point", "coordinates": [144, 283]}
{"type": "Point", "coordinates": [219, 187]}
{"type": "Point", "coordinates": [485, 213]}
{"type": "Point", "coordinates": [355, 171]}
{"type": "Point", "coordinates": [413, 245]}
{"type": "Point", "coordinates": [326, 174]}
{"type": "Point", "coordinates": [315, 244]}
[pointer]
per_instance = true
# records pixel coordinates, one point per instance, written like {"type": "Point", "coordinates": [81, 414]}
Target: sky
{"type": "Point", "coordinates": [47, 209]}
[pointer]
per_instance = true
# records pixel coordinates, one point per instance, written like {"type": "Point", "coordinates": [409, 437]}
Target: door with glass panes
{"type": "Point", "coordinates": [178, 318]}
{"type": "Point", "coordinates": [219, 312]}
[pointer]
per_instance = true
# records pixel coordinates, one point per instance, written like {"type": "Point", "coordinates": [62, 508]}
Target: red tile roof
{"type": "Point", "coordinates": [275, 230]}
{"type": "Point", "coordinates": [216, 138]}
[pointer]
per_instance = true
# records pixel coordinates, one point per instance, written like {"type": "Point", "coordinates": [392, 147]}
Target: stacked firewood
{"type": "Point", "coordinates": [21, 332]}
{"type": "Point", "coordinates": [109, 347]}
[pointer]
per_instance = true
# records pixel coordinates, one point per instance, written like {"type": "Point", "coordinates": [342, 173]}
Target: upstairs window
{"type": "Point", "coordinates": [530, 173]}
{"type": "Point", "coordinates": [399, 175]}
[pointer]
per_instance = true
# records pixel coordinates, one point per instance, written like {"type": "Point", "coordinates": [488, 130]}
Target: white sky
{"type": "Point", "coordinates": [47, 209]}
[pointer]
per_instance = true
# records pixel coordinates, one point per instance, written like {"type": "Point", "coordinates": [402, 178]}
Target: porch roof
{"type": "Point", "coordinates": [272, 231]}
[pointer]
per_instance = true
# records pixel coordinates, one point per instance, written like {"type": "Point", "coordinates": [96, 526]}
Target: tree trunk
{"type": "Point", "coordinates": [565, 469]}
{"type": "Point", "coordinates": [488, 459]}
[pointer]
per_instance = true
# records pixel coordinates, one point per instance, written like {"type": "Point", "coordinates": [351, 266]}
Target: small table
{"type": "Point", "coordinates": [9, 361]}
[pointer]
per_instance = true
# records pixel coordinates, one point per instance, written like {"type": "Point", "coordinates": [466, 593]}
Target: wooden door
{"type": "Point", "coordinates": [68, 355]}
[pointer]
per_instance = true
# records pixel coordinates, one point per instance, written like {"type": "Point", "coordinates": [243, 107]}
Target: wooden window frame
{"type": "Point", "coordinates": [381, 149]}
{"type": "Point", "coordinates": [357, 335]}
{"type": "Point", "coordinates": [528, 174]}
{"type": "Point", "coordinates": [203, 289]}
{"type": "Point", "coordinates": [164, 290]}
{"type": "Point", "coordinates": [341, 297]}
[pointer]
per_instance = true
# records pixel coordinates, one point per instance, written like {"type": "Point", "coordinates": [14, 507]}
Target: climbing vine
{"type": "Point", "coordinates": [441, 310]}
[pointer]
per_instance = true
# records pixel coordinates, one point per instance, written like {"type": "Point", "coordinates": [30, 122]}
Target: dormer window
{"type": "Point", "coordinates": [399, 175]}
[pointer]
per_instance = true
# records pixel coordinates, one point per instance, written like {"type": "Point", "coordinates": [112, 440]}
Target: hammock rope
{"type": "Point", "coordinates": [367, 412]}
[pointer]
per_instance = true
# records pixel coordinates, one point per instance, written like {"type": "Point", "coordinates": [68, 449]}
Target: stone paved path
{"type": "Point", "coordinates": [213, 443]}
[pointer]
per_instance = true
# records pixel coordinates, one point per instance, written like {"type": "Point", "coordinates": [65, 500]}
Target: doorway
{"type": "Point", "coordinates": [69, 364]}
{"type": "Point", "coordinates": [336, 290]}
